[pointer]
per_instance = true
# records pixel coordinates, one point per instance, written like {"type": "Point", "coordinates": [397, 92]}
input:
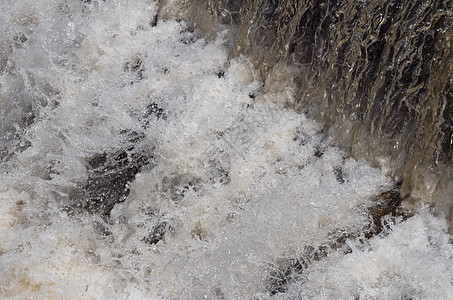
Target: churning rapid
{"type": "Point", "coordinates": [139, 161]}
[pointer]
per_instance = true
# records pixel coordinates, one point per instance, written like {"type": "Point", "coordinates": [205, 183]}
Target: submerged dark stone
{"type": "Point", "coordinates": [136, 67]}
{"type": "Point", "coordinates": [20, 38]}
{"type": "Point", "coordinates": [319, 152]}
{"type": "Point", "coordinates": [176, 186]}
{"type": "Point", "coordinates": [339, 175]}
{"type": "Point", "coordinates": [293, 269]}
{"type": "Point", "coordinates": [157, 233]}
{"type": "Point", "coordinates": [109, 176]}
{"type": "Point", "coordinates": [152, 110]}
{"type": "Point", "coordinates": [387, 205]}
{"type": "Point", "coordinates": [384, 212]}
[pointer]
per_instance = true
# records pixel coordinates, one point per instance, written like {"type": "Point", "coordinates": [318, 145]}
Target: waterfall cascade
{"type": "Point", "coordinates": [378, 74]}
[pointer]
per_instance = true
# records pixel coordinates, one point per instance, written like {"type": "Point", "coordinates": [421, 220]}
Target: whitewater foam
{"type": "Point", "coordinates": [233, 186]}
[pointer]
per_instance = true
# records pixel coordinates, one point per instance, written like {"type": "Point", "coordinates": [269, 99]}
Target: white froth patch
{"type": "Point", "coordinates": [412, 262]}
{"type": "Point", "coordinates": [41, 260]}
{"type": "Point", "coordinates": [239, 181]}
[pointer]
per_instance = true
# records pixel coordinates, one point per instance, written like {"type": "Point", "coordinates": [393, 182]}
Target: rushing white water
{"type": "Point", "coordinates": [232, 185]}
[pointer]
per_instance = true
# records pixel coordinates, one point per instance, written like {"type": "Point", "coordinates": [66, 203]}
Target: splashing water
{"type": "Point", "coordinates": [139, 163]}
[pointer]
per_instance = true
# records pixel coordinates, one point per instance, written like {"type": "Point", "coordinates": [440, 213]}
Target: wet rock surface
{"type": "Point", "coordinates": [109, 176]}
{"type": "Point", "coordinates": [385, 211]}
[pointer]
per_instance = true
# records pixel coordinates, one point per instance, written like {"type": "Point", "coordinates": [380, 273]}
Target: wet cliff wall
{"type": "Point", "coordinates": [378, 74]}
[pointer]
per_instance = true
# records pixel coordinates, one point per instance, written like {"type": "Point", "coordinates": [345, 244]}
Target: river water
{"type": "Point", "coordinates": [138, 162]}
